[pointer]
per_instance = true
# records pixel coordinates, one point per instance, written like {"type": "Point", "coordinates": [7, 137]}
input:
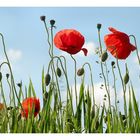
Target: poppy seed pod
{"type": "Point", "coordinates": [58, 71]}
{"type": "Point", "coordinates": [0, 76]}
{"type": "Point", "coordinates": [47, 79]}
{"type": "Point", "coordinates": [52, 22]}
{"type": "Point", "coordinates": [80, 72]}
{"type": "Point", "coordinates": [99, 26]}
{"type": "Point", "coordinates": [104, 56]}
{"type": "Point", "coordinates": [126, 78]}
{"type": "Point", "coordinates": [42, 18]}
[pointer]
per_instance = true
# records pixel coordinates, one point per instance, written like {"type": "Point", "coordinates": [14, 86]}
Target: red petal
{"type": "Point", "coordinates": [85, 51]}
{"type": "Point", "coordinates": [112, 30]}
{"type": "Point", "coordinates": [133, 47]}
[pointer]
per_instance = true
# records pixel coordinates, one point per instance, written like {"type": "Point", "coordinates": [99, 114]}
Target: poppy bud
{"type": "Point", "coordinates": [52, 22]}
{"type": "Point", "coordinates": [9, 108]}
{"type": "Point", "coordinates": [105, 95]}
{"type": "Point", "coordinates": [112, 63]}
{"type": "Point", "coordinates": [58, 71]}
{"type": "Point", "coordinates": [80, 72]}
{"type": "Point", "coordinates": [99, 26]}
{"type": "Point", "coordinates": [126, 78]}
{"type": "Point", "coordinates": [19, 84]}
{"type": "Point", "coordinates": [46, 95]}
{"type": "Point", "coordinates": [42, 18]}
{"type": "Point", "coordinates": [7, 75]}
{"type": "Point", "coordinates": [104, 56]}
{"type": "Point", "coordinates": [47, 79]}
{"type": "Point", "coordinates": [0, 76]}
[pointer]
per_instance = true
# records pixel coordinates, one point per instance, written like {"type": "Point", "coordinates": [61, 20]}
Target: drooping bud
{"type": "Point", "coordinates": [104, 56]}
{"type": "Point", "coordinates": [126, 77]}
{"type": "Point", "coordinates": [52, 22]}
{"type": "Point", "coordinates": [47, 79]}
{"type": "Point", "coordinates": [0, 76]}
{"type": "Point", "coordinates": [99, 26]}
{"type": "Point", "coordinates": [58, 71]}
{"type": "Point", "coordinates": [80, 72]}
{"type": "Point", "coordinates": [42, 18]}
{"type": "Point", "coordinates": [7, 75]}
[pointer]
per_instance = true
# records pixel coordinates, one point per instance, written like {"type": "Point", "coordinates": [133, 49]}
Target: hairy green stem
{"type": "Point", "coordinates": [75, 69]}
{"type": "Point", "coordinates": [91, 81]}
{"type": "Point", "coordinates": [124, 88]}
{"type": "Point", "coordinates": [137, 52]}
{"type": "Point", "coordinates": [103, 72]}
{"type": "Point", "coordinates": [114, 80]}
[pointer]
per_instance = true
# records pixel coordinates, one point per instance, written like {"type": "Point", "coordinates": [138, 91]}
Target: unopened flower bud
{"type": "Point", "coordinates": [112, 63]}
{"type": "Point", "coordinates": [99, 26]}
{"type": "Point", "coordinates": [19, 84]}
{"type": "Point", "coordinates": [104, 56]}
{"type": "Point", "coordinates": [0, 76]}
{"type": "Point", "coordinates": [58, 71]}
{"type": "Point", "coordinates": [80, 72]}
{"type": "Point", "coordinates": [46, 95]}
{"type": "Point", "coordinates": [7, 75]}
{"type": "Point", "coordinates": [126, 78]}
{"type": "Point", "coordinates": [42, 18]}
{"type": "Point", "coordinates": [47, 79]}
{"type": "Point", "coordinates": [52, 22]}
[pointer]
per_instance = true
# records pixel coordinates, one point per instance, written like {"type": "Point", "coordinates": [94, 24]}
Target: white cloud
{"type": "Point", "coordinates": [98, 93]}
{"type": "Point", "coordinates": [14, 55]}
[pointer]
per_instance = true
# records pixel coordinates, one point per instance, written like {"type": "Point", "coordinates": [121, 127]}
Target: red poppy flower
{"type": "Point", "coordinates": [29, 105]}
{"type": "Point", "coordinates": [70, 40]}
{"type": "Point", "coordinates": [118, 44]}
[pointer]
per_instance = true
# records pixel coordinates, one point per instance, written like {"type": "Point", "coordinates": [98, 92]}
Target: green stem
{"type": "Point", "coordinates": [9, 83]}
{"type": "Point", "coordinates": [124, 88]}
{"type": "Point", "coordinates": [103, 72]}
{"type": "Point", "coordinates": [114, 78]}
{"type": "Point", "coordinates": [56, 57]}
{"type": "Point", "coordinates": [12, 77]}
{"type": "Point", "coordinates": [91, 81]}
{"type": "Point", "coordinates": [136, 47]}
{"type": "Point", "coordinates": [75, 79]}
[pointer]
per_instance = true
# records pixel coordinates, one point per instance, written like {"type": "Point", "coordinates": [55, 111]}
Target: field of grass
{"type": "Point", "coordinates": [57, 116]}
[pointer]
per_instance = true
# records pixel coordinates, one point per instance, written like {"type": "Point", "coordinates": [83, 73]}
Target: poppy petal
{"type": "Point", "coordinates": [85, 51]}
{"type": "Point", "coordinates": [133, 47]}
{"type": "Point", "coordinates": [113, 30]}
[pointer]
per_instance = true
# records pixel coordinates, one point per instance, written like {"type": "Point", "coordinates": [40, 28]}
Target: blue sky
{"type": "Point", "coordinates": [26, 41]}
